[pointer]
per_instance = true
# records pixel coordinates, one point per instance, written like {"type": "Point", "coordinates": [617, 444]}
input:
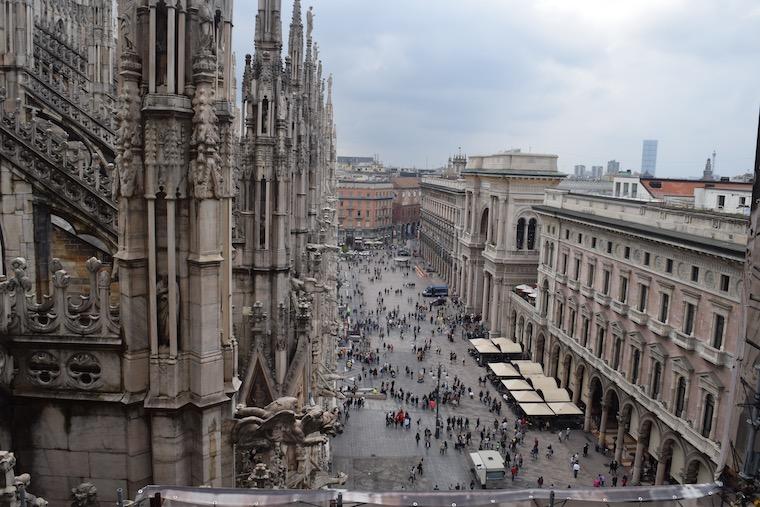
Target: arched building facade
{"type": "Point", "coordinates": [640, 323]}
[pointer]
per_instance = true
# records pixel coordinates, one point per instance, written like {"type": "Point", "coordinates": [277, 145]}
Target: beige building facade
{"type": "Point", "coordinates": [441, 223]}
{"type": "Point", "coordinates": [499, 243]}
{"type": "Point", "coordinates": [639, 316]}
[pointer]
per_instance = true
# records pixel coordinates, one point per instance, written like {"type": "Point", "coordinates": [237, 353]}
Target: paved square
{"type": "Point", "coordinates": [378, 457]}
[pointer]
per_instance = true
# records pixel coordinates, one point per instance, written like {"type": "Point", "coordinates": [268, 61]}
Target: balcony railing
{"type": "Point", "coordinates": [637, 316]}
{"type": "Point", "coordinates": [713, 355]}
{"type": "Point", "coordinates": [659, 328]}
{"type": "Point", "coordinates": [602, 299]}
{"type": "Point", "coordinates": [619, 307]}
{"type": "Point", "coordinates": [685, 341]}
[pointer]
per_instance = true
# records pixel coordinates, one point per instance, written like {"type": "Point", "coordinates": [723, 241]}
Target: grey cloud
{"type": "Point", "coordinates": [414, 79]}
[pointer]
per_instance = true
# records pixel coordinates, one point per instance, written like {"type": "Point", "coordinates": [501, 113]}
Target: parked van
{"type": "Point", "coordinates": [487, 466]}
{"type": "Point", "coordinates": [436, 291]}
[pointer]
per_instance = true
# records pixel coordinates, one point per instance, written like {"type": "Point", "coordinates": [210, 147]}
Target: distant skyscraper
{"type": "Point", "coordinates": [597, 171]}
{"type": "Point", "coordinates": [613, 167]}
{"type": "Point", "coordinates": [580, 171]}
{"type": "Point", "coordinates": [649, 157]}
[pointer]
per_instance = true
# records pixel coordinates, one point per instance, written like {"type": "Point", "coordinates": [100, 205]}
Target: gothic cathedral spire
{"type": "Point", "coordinates": [268, 26]}
{"type": "Point", "coordinates": [295, 45]}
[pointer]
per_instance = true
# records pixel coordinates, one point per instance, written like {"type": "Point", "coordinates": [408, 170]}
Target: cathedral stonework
{"type": "Point", "coordinates": [196, 345]}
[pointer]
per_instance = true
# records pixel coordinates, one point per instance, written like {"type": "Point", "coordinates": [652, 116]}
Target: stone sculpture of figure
{"type": "Point", "coordinates": [162, 304]}
{"type": "Point", "coordinates": [206, 20]}
{"type": "Point", "coordinates": [278, 422]}
{"type": "Point", "coordinates": [85, 495]}
{"type": "Point", "coordinates": [309, 21]}
{"type": "Point", "coordinates": [23, 481]}
{"type": "Point", "coordinates": [206, 168]}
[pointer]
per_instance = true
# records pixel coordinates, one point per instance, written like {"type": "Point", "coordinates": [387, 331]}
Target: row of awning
{"type": "Point", "coordinates": [534, 392]}
{"type": "Point", "coordinates": [496, 346]}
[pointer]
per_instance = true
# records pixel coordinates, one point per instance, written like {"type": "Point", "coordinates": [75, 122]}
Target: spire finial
{"type": "Point", "coordinates": [296, 12]}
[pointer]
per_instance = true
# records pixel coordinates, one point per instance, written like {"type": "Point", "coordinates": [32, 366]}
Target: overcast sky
{"type": "Point", "coordinates": [587, 80]}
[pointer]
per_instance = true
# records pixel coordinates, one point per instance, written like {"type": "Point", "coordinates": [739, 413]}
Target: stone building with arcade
{"type": "Point", "coordinates": [205, 313]}
{"type": "Point", "coordinates": [639, 316]}
{"type": "Point", "coordinates": [499, 242]}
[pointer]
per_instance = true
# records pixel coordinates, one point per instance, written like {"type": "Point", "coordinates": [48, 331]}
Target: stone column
{"type": "Point", "coordinates": [659, 477]}
{"type": "Point", "coordinates": [171, 19]}
{"type": "Point", "coordinates": [467, 212]}
{"type": "Point", "coordinates": [470, 286]}
{"type": "Point", "coordinates": [603, 425]}
{"type": "Point", "coordinates": [488, 225]}
{"type": "Point", "coordinates": [500, 235]}
{"type": "Point", "coordinates": [587, 415]}
{"type": "Point", "coordinates": [636, 473]}
{"type": "Point", "coordinates": [620, 439]}
{"type": "Point", "coordinates": [576, 395]}
{"type": "Point", "coordinates": [152, 50]}
{"type": "Point", "coordinates": [181, 52]}
{"type": "Point", "coordinates": [486, 294]}
{"type": "Point", "coordinates": [495, 301]}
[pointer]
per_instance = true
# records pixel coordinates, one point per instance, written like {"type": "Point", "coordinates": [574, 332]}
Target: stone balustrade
{"type": "Point", "coordinates": [32, 147]}
{"type": "Point", "coordinates": [60, 313]}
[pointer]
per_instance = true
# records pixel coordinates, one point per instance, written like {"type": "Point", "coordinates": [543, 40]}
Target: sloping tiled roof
{"type": "Point", "coordinates": [406, 182]}
{"type": "Point", "coordinates": [660, 188]}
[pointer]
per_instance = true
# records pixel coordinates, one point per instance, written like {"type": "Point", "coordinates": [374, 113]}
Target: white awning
{"type": "Point", "coordinates": [504, 370]}
{"type": "Point", "coordinates": [529, 368]}
{"type": "Point", "coordinates": [554, 395]}
{"type": "Point", "coordinates": [484, 346]}
{"type": "Point", "coordinates": [542, 382]}
{"type": "Point", "coordinates": [565, 408]}
{"type": "Point", "coordinates": [516, 385]}
{"type": "Point", "coordinates": [526, 397]}
{"type": "Point", "coordinates": [536, 409]}
{"type": "Point", "coordinates": [507, 346]}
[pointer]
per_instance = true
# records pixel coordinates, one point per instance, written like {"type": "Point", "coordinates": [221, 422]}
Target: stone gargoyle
{"type": "Point", "coordinates": [281, 422]}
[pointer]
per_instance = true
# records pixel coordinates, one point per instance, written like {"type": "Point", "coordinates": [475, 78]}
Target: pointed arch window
{"type": "Point", "coordinates": [520, 233]}
{"type": "Point", "coordinates": [532, 224]}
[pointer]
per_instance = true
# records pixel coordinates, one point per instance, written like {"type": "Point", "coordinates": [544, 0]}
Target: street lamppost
{"type": "Point", "coordinates": [438, 405]}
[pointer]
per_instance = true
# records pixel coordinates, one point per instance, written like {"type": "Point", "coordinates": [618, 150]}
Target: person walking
{"type": "Point", "coordinates": [417, 438]}
{"type": "Point", "coordinates": [576, 469]}
{"type": "Point", "coordinates": [540, 481]}
{"type": "Point", "coordinates": [585, 450]}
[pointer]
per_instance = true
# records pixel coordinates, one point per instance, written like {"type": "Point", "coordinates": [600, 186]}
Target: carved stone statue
{"type": "Point", "coordinates": [206, 21]}
{"type": "Point", "coordinates": [309, 22]}
{"type": "Point", "coordinates": [85, 495]}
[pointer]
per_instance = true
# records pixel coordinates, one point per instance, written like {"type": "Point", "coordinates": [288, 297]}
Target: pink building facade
{"type": "Point", "coordinates": [639, 317]}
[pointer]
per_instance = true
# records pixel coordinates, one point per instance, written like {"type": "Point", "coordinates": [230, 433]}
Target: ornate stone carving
{"type": "Point", "coordinates": [6, 367]}
{"type": "Point", "coordinates": [43, 368]}
{"type": "Point", "coordinates": [92, 315]}
{"type": "Point", "coordinates": [84, 369]}
{"type": "Point", "coordinates": [206, 168]}
{"type": "Point", "coordinates": [129, 180]}
{"type": "Point", "coordinates": [85, 495]}
{"type": "Point", "coordinates": [261, 433]}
